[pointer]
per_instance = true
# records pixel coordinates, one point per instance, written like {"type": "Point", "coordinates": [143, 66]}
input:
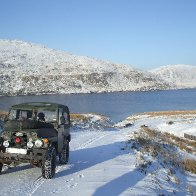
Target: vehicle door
{"type": "Point", "coordinates": [64, 124]}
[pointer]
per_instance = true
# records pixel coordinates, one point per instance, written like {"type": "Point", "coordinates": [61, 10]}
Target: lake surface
{"type": "Point", "coordinates": [118, 105]}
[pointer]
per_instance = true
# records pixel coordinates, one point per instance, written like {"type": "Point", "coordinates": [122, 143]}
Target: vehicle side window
{"type": "Point", "coordinates": [13, 115]}
{"type": "Point", "coordinates": [66, 118]}
{"type": "Point", "coordinates": [23, 114]}
{"type": "Point", "coordinates": [20, 114]}
{"type": "Point", "coordinates": [63, 117]}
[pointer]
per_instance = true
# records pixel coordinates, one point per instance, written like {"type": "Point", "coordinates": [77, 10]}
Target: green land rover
{"type": "Point", "coordinates": [36, 133]}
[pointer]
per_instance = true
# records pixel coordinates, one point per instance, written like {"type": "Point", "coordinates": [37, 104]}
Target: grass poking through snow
{"type": "Point", "coordinates": [166, 148]}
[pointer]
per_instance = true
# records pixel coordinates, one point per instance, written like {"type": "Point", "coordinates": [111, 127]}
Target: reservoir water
{"type": "Point", "coordinates": [118, 105]}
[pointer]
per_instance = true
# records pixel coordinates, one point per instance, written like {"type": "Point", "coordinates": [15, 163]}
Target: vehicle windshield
{"type": "Point", "coordinates": [39, 115]}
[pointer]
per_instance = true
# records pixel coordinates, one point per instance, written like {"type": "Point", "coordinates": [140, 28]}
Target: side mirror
{"type": "Point", "coordinates": [62, 120]}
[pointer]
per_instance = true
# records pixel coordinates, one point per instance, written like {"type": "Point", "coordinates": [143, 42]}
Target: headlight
{"type": "Point", "coordinates": [38, 143]}
{"type": "Point", "coordinates": [29, 144]}
{"type": "Point", "coordinates": [6, 143]}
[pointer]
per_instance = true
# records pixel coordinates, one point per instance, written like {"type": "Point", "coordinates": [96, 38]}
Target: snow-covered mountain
{"type": "Point", "coordinates": [27, 68]}
{"type": "Point", "coordinates": [181, 76]}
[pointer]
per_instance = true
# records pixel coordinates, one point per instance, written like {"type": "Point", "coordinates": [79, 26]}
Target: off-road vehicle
{"type": "Point", "coordinates": [36, 133]}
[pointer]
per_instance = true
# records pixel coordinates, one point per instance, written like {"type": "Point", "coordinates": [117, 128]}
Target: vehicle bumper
{"type": "Point", "coordinates": [31, 156]}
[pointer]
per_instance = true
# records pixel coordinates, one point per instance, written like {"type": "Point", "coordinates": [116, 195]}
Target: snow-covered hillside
{"type": "Point", "coordinates": [27, 68]}
{"type": "Point", "coordinates": [181, 76]}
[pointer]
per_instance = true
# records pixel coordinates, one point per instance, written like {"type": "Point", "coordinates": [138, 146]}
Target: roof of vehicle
{"type": "Point", "coordinates": [39, 105]}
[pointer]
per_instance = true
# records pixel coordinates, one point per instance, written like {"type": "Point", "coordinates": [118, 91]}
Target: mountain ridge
{"type": "Point", "coordinates": [180, 75]}
{"type": "Point", "coordinates": [27, 68]}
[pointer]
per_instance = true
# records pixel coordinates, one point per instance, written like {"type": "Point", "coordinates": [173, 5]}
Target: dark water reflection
{"type": "Point", "coordinates": [117, 105]}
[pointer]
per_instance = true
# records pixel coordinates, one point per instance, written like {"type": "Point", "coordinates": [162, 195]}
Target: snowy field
{"type": "Point", "coordinates": [103, 161]}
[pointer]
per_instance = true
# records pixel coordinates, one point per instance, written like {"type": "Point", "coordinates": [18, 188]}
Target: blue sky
{"type": "Point", "coordinates": [142, 33]}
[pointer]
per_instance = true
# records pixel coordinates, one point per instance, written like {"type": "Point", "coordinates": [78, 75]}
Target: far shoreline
{"type": "Point", "coordinates": [99, 92]}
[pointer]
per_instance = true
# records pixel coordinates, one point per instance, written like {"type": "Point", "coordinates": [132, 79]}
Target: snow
{"type": "Point", "coordinates": [180, 124]}
{"type": "Point", "coordinates": [24, 58]}
{"type": "Point", "coordinates": [28, 68]}
{"type": "Point", "coordinates": [182, 76]}
{"type": "Point", "coordinates": [103, 162]}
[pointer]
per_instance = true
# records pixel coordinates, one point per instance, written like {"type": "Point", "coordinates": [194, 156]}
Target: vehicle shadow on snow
{"type": "Point", "coordinates": [16, 169]}
{"type": "Point", "coordinates": [86, 158]}
{"type": "Point", "coordinates": [120, 184]}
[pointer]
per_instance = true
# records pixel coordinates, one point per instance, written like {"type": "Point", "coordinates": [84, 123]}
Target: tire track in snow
{"type": "Point", "coordinates": [40, 180]}
{"type": "Point", "coordinates": [37, 183]}
{"type": "Point", "coordinates": [91, 141]}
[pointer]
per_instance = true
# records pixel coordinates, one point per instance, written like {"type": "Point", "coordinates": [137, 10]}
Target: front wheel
{"type": "Point", "coordinates": [64, 155]}
{"type": "Point", "coordinates": [49, 164]}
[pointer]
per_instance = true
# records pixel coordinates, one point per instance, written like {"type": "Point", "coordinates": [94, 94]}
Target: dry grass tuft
{"type": "Point", "coordinates": [183, 144]}
{"type": "Point", "coordinates": [150, 132]}
{"type": "Point", "coordinates": [190, 165]}
{"type": "Point", "coordinates": [171, 113]}
{"type": "Point", "coordinates": [78, 117]}
{"type": "Point", "coordinates": [192, 143]}
{"type": "Point", "coordinates": [3, 114]}
{"type": "Point", "coordinates": [164, 147]}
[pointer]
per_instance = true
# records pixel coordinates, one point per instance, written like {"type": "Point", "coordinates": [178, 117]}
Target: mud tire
{"type": "Point", "coordinates": [64, 155]}
{"type": "Point", "coordinates": [49, 164]}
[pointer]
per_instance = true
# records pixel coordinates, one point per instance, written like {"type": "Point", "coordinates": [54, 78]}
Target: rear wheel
{"type": "Point", "coordinates": [64, 155]}
{"type": "Point", "coordinates": [49, 164]}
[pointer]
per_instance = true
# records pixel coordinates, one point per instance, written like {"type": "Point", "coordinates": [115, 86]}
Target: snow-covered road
{"type": "Point", "coordinates": [98, 163]}
{"type": "Point", "coordinates": [95, 160]}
